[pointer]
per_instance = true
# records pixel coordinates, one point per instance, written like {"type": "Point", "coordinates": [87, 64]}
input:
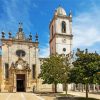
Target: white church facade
{"type": "Point", "coordinates": [20, 62]}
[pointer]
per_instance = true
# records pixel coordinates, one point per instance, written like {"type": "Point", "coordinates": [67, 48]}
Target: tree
{"type": "Point", "coordinates": [53, 70]}
{"type": "Point", "coordinates": [85, 67]}
{"type": "Point", "coordinates": [67, 65]}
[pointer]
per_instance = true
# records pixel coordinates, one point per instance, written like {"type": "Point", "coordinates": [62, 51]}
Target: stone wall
{"type": "Point", "coordinates": [9, 56]}
{"type": "Point", "coordinates": [0, 73]}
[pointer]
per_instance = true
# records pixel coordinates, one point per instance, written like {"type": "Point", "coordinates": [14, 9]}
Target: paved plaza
{"type": "Point", "coordinates": [83, 94]}
{"type": "Point", "coordinates": [47, 96]}
{"type": "Point", "coordinates": [19, 96]}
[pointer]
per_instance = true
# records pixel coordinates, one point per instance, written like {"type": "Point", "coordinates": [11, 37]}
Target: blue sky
{"type": "Point", "coordinates": [36, 16]}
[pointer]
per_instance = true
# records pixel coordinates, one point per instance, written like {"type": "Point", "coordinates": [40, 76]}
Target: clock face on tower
{"type": "Point", "coordinates": [64, 40]}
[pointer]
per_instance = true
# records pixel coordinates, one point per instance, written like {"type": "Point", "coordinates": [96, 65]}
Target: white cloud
{"type": "Point", "coordinates": [86, 28]}
{"type": "Point", "coordinates": [13, 12]}
{"type": "Point", "coordinates": [44, 51]}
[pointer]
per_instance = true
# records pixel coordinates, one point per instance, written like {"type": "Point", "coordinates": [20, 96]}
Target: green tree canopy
{"type": "Point", "coordinates": [53, 70]}
{"type": "Point", "coordinates": [85, 67]}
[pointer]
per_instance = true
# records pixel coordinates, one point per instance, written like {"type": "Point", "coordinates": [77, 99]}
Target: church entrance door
{"type": "Point", "coordinates": [20, 82]}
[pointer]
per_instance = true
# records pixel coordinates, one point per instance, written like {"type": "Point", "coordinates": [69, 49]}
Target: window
{"type": "Point", "coordinates": [6, 70]}
{"type": "Point", "coordinates": [33, 71]}
{"type": "Point", "coordinates": [63, 27]}
{"type": "Point", "coordinates": [20, 53]}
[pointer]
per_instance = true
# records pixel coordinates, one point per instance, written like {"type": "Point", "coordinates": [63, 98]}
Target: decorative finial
{"type": "Point", "coordinates": [3, 35]}
{"type": "Point", "coordinates": [70, 13]}
{"type": "Point", "coordinates": [30, 36]}
{"type": "Point", "coordinates": [20, 24]}
{"type": "Point", "coordinates": [9, 34]}
{"type": "Point", "coordinates": [36, 37]}
{"type": "Point", "coordinates": [59, 5]}
{"type": "Point", "coordinates": [55, 12]}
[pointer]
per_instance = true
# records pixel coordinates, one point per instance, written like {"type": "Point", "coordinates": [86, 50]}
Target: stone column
{"type": "Point", "coordinates": [27, 82]}
{"type": "Point", "coordinates": [3, 79]}
{"type": "Point", "coordinates": [14, 87]}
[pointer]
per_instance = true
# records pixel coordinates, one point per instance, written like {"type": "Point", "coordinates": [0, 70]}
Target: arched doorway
{"type": "Point", "coordinates": [20, 83]}
{"type": "Point", "coordinates": [19, 75]}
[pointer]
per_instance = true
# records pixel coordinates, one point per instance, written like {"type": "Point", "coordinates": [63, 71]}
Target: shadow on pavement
{"type": "Point", "coordinates": [74, 98]}
{"type": "Point", "coordinates": [50, 94]}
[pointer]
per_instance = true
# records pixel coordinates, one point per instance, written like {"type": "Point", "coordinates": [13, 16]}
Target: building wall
{"type": "Point", "coordinates": [63, 42]}
{"type": "Point", "coordinates": [9, 56]}
{"type": "Point", "coordinates": [59, 39]}
{"type": "Point", "coordinates": [53, 46]}
{"type": "Point", "coordinates": [0, 73]}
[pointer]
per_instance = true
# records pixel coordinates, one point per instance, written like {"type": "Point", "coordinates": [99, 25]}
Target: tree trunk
{"type": "Point", "coordinates": [66, 85]}
{"type": "Point", "coordinates": [86, 90]}
{"type": "Point", "coordinates": [55, 87]}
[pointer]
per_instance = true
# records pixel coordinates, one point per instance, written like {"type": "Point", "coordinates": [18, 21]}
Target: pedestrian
{"type": "Point", "coordinates": [33, 88]}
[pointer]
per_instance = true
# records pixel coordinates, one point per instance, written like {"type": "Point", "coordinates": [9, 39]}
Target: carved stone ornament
{"type": "Point", "coordinates": [20, 64]}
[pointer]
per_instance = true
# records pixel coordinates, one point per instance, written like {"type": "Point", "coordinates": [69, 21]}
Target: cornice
{"type": "Point", "coordinates": [63, 35]}
{"type": "Point", "coordinates": [13, 41]}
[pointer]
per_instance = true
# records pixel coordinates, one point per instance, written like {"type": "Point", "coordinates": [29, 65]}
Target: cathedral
{"type": "Point", "coordinates": [19, 60]}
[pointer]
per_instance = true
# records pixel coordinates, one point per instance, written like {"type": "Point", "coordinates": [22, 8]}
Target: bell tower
{"type": "Point", "coordinates": [60, 32]}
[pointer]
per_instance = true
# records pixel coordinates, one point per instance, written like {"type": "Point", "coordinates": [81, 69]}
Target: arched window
{"type": "Point", "coordinates": [63, 27]}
